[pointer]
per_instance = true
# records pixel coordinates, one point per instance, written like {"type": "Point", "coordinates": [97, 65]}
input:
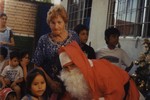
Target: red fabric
{"type": "Point", "coordinates": [105, 79]}
{"type": "Point", "coordinates": [4, 93]}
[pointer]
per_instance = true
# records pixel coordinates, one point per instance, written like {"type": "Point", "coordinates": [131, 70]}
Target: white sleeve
{"type": "Point", "coordinates": [126, 60]}
{"type": "Point", "coordinates": [98, 54]}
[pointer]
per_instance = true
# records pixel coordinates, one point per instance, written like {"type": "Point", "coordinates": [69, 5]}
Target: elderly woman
{"type": "Point", "coordinates": [46, 53]}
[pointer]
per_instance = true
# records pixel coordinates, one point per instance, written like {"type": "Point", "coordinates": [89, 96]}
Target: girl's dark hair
{"type": "Point", "coordinates": [2, 14]}
{"type": "Point", "coordinates": [31, 76]}
{"type": "Point", "coordinates": [11, 96]}
{"type": "Point", "coordinates": [3, 52]}
{"type": "Point", "coordinates": [79, 28]}
{"type": "Point", "coordinates": [110, 31]}
{"type": "Point", "coordinates": [23, 53]}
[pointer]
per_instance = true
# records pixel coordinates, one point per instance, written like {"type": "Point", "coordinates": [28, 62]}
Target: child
{"type": "Point", "coordinates": [13, 74]}
{"type": "Point", "coordinates": [112, 53]}
{"type": "Point", "coordinates": [3, 61]}
{"type": "Point", "coordinates": [36, 86]}
{"type": "Point", "coordinates": [24, 62]}
{"type": "Point", "coordinates": [83, 33]}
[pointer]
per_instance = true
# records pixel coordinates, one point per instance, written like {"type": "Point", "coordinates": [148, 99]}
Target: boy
{"type": "Point", "coordinates": [13, 74]}
{"type": "Point", "coordinates": [83, 33]}
{"type": "Point", "coordinates": [112, 53]}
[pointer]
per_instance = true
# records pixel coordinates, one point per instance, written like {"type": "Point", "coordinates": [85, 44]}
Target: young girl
{"type": "Point", "coordinates": [24, 62]}
{"type": "Point", "coordinates": [36, 86]}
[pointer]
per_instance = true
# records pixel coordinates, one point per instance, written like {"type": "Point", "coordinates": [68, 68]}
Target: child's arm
{"type": "Point", "coordinates": [17, 82]}
{"type": "Point", "coordinates": [2, 82]}
{"type": "Point", "coordinates": [24, 67]}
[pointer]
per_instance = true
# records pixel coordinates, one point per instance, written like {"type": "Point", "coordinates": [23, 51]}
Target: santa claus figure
{"type": "Point", "coordinates": [87, 79]}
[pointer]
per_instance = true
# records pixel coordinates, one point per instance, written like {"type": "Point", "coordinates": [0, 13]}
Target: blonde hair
{"type": "Point", "coordinates": [57, 10]}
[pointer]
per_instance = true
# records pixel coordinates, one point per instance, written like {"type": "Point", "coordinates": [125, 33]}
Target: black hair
{"type": "Point", "coordinates": [2, 14]}
{"type": "Point", "coordinates": [23, 53]}
{"type": "Point", "coordinates": [31, 76]}
{"type": "Point", "coordinates": [14, 54]}
{"type": "Point", "coordinates": [11, 96]}
{"type": "Point", "coordinates": [80, 27]}
{"type": "Point", "coordinates": [3, 52]}
{"type": "Point", "coordinates": [110, 31]}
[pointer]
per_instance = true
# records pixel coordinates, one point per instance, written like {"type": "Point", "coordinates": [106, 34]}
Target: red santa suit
{"type": "Point", "coordinates": [104, 79]}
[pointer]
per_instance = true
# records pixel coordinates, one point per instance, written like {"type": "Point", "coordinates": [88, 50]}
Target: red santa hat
{"type": "Point", "coordinates": [64, 58]}
{"type": "Point", "coordinates": [4, 93]}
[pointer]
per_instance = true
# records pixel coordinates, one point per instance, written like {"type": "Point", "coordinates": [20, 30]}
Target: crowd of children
{"type": "Point", "coordinates": [13, 74]}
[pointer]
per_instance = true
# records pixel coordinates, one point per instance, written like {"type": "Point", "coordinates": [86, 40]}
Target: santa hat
{"type": "Point", "coordinates": [4, 93]}
{"type": "Point", "coordinates": [64, 58]}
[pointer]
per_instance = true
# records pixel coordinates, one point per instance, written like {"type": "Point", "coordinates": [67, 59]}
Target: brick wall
{"type": "Point", "coordinates": [21, 16]}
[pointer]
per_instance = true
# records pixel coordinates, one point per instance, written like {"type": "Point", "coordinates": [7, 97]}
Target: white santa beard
{"type": "Point", "coordinates": [75, 84]}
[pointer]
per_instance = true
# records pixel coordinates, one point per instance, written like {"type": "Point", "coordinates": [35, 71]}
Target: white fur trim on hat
{"type": "Point", "coordinates": [64, 58]}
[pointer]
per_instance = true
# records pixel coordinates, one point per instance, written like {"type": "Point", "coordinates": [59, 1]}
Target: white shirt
{"type": "Point", "coordinates": [117, 56]}
{"type": "Point", "coordinates": [12, 73]}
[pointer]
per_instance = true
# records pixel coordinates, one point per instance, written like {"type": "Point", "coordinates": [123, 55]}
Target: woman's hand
{"type": "Point", "coordinates": [24, 64]}
{"type": "Point", "coordinates": [55, 86]}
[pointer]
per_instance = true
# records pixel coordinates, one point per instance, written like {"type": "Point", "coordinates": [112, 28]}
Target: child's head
{"type": "Point", "coordinates": [24, 56]}
{"type": "Point", "coordinates": [3, 53]}
{"type": "Point", "coordinates": [83, 32]}
{"type": "Point", "coordinates": [36, 83]}
{"type": "Point", "coordinates": [112, 36]}
{"type": "Point", "coordinates": [14, 58]}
